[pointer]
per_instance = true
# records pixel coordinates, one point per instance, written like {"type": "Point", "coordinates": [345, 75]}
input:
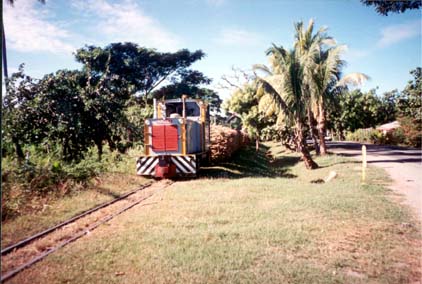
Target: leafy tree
{"type": "Point", "coordinates": [63, 109]}
{"type": "Point", "coordinates": [409, 109]}
{"type": "Point", "coordinates": [359, 110]}
{"type": "Point", "coordinates": [388, 109]}
{"type": "Point", "coordinates": [243, 104]}
{"type": "Point", "coordinates": [409, 102]}
{"type": "Point", "coordinates": [105, 96]}
{"type": "Point", "coordinates": [384, 7]}
{"type": "Point", "coordinates": [189, 84]}
{"type": "Point", "coordinates": [140, 69]}
{"type": "Point", "coordinates": [78, 109]}
{"type": "Point", "coordinates": [115, 74]}
{"type": "Point", "coordinates": [133, 128]}
{"type": "Point", "coordinates": [19, 112]}
{"type": "Point", "coordinates": [352, 110]}
{"type": "Point", "coordinates": [61, 114]}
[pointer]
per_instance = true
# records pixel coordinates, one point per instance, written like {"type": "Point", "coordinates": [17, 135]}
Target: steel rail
{"type": "Point", "coordinates": [12, 273]}
{"type": "Point", "coordinates": [64, 223]}
{"type": "Point", "coordinates": [78, 235]}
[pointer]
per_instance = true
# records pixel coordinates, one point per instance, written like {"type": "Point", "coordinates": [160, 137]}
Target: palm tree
{"type": "Point", "coordinates": [322, 73]}
{"type": "Point", "coordinates": [285, 91]}
{"type": "Point", "coordinates": [306, 41]}
{"type": "Point", "coordinates": [326, 74]}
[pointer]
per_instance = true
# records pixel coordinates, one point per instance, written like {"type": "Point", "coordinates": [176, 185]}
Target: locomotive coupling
{"type": "Point", "coordinates": [165, 168]}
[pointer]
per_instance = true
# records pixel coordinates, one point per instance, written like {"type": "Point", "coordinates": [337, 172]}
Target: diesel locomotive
{"type": "Point", "coordinates": [177, 139]}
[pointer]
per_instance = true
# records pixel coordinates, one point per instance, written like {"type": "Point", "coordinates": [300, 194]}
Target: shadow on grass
{"type": "Point", "coordinates": [249, 163]}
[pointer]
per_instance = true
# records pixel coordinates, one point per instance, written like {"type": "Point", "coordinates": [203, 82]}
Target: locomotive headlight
{"type": "Point", "coordinates": [180, 120]}
{"type": "Point", "coordinates": [147, 122]}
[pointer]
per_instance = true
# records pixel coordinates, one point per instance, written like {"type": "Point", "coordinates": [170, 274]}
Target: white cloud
{"type": "Point", "coordinates": [353, 54]}
{"type": "Point", "coordinates": [125, 21]}
{"type": "Point", "coordinates": [389, 35]}
{"type": "Point", "coordinates": [237, 37]}
{"type": "Point", "coordinates": [27, 29]}
{"type": "Point", "coordinates": [396, 33]}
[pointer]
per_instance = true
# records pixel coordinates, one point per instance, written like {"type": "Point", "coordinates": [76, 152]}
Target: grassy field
{"type": "Point", "coordinates": [257, 219]}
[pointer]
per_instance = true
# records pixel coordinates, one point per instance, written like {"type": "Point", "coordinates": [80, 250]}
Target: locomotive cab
{"type": "Point", "coordinates": [176, 139]}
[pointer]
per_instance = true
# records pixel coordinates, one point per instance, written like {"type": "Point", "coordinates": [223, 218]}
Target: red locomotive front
{"type": "Point", "coordinates": [176, 139]}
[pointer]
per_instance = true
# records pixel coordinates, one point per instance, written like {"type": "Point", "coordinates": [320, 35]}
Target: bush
{"type": "Point", "coordinates": [368, 135]}
{"type": "Point", "coordinates": [44, 175]}
{"type": "Point", "coordinates": [396, 137]}
{"type": "Point", "coordinates": [412, 131]}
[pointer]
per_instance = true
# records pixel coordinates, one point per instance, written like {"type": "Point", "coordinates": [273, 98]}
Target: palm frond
{"type": "Point", "coordinates": [275, 95]}
{"type": "Point", "coordinates": [263, 68]}
{"type": "Point", "coordinates": [329, 41]}
{"type": "Point", "coordinates": [353, 79]}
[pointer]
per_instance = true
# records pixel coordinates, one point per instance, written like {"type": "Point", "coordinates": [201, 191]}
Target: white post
{"type": "Point", "coordinates": [155, 108]}
{"type": "Point", "coordinates": [364, 164]}
{"type": "Point", "coordinates": [184, 106]}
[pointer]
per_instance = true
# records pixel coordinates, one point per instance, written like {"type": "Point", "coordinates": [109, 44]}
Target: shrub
{"type": "Point", "coordinates": [398, 136]}
{"type": "Point", "coordinates": [394, 137]}
{"type": "Point", "coordinates": [412, 131]}
{"type": "Point", "coordinates": [44, 174]}
{"type": "Point", "coordinates": [368, 135]}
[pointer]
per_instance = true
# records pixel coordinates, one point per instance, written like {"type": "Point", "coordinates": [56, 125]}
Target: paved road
{"type": "Point", "coordinates": [404, 165]}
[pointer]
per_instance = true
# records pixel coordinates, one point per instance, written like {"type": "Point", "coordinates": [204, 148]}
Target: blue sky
{"type": "Point", "coordinates": [231, 33]}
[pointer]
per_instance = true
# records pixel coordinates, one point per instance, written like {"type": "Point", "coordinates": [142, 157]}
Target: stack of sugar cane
{"type": "Point", "coordinates": [225, 141]}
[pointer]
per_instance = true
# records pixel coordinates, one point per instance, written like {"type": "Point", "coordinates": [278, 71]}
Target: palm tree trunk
{"type": "Point", "coordinates": [301, 147]}
{"type": "Point", "coordinates": [321, 130]}
{"type": "Point", "coordinates": [314, 130]}
{"type": "Point", "coordinates": [3, 39]}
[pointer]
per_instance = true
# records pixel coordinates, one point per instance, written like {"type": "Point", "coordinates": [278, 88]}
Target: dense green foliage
{"type": "Point", "coordinates": [369, 135]}
{"type": "Point", "coordinates": [190, 85]}
{"type": "Point", "coordinates": [375, 136]}
{"type": "Point", "coordinates": [81, 108]}
{"type": "Point", "coordinates": [409, 109]}
{"type": "Point", "coordinates": [384, 7]}
{"type": "Point", "coordinates": [355, 110]}
{"type": "Point", "coordinates": [243, 104]}
{"type": "Point", "coordinates": [126, 65]}
{"type": "Point", "coordinates": [46, 175]}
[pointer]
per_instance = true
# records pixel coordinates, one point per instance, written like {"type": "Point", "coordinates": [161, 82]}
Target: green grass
{"type": "Point", "coordinates": [257, 219]}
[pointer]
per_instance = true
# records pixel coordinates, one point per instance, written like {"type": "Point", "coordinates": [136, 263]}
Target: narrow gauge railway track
{"type": "Point", "coordinates": [58, 226]}
{"type": "Point", "coordinates": [27, 252]}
